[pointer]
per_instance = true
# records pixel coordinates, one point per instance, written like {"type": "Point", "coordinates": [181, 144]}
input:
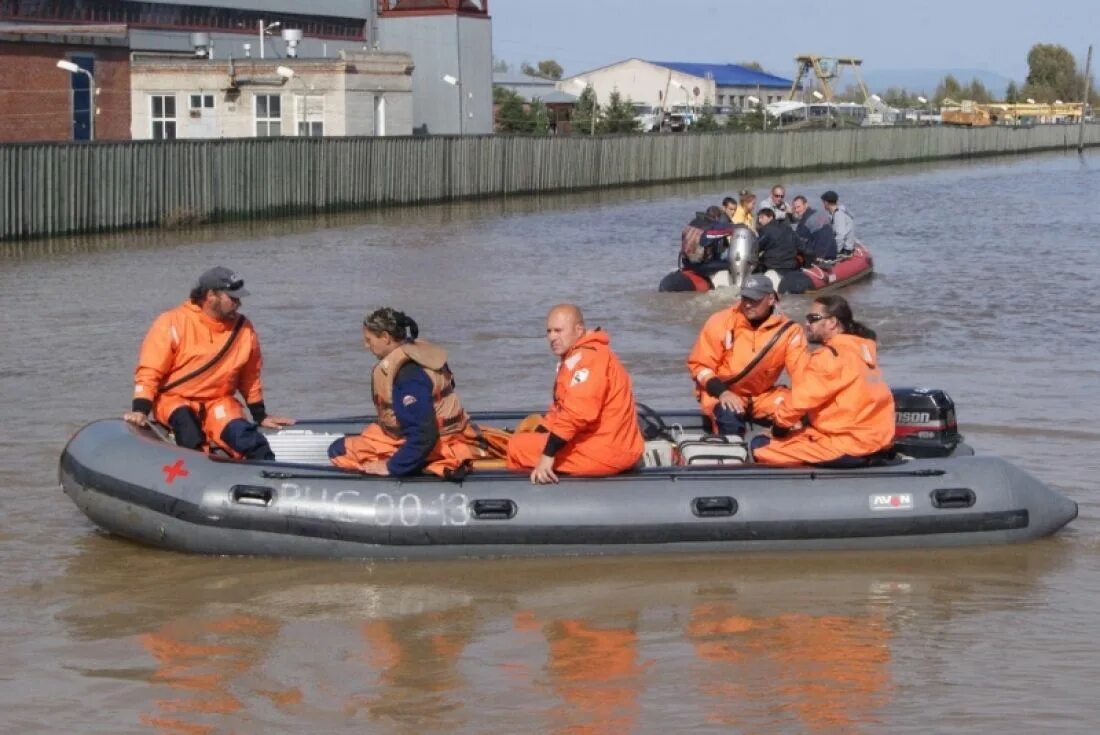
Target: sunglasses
{"type": "Point", "coordinates": [815, 318]}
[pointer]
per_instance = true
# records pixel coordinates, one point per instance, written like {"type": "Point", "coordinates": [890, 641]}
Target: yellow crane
{"type": "Point", "coordinates": [826, 69]}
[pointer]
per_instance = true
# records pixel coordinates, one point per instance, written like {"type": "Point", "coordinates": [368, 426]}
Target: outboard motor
{"type": "Point", "coordinates": [742, 254]}
{"type": "Point", "coordinates": [925, 422]}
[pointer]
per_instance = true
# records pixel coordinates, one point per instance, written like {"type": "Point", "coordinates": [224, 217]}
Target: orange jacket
{"type": "Point", "coordinates": [184, 339]}
{"type": "Point", "coordinates": [594, 400]}
{"type": "Point", "coordinates": [728, 342]}
{"type": "Point", "coordinates": [842, 391]}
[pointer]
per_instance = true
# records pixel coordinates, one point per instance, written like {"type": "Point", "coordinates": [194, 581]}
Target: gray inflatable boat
{"type": "Point", "coordinates": [134, 484]}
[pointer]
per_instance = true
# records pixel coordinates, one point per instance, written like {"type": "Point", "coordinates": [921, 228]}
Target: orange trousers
{"type": "Point", "coordinates": [806, 446]}
{"type": "Point", "coordinates": [214, 415]}
{"type": "Point", "coordinates": [449, 453]}
{"type": "Point", "coordinates": [524, 450]}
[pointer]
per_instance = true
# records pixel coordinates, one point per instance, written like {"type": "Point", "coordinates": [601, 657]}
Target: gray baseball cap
{"type": "Point", "coordinates": [221, 278]}
{"type": "Point", "coordinates": [757, 287]}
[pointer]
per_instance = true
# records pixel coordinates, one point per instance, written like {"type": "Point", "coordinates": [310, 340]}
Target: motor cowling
{"type": "Point", "coordinates": [926, 425]}
{"type": "Point", "coordinates": [742, 254]}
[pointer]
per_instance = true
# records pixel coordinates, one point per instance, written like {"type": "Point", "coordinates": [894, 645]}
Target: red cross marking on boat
{"type": "Point", "coordinates": [172, 471]}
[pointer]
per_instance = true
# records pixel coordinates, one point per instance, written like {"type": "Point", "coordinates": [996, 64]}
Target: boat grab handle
{"type": "Point", "coordinates": [252, 495]}
{"type": "Point", "coordinates": [711, 507]}
{"type": "Point", "coordinates": [953, 497]}
{"type": "Point", "coordinates": [493, 509]}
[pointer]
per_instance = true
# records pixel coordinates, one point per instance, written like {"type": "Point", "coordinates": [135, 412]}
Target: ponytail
{"type": "Point", "coordinates": [399, 325]}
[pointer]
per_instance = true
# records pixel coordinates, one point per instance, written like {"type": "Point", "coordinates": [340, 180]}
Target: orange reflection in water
{"type": "Point", "coordinates": [414, 659]}
{"type": "Point", "coordinates": [597, 672]}
{"type": "Point", "coordinates": [830, 672]}
{"type": "Point", "coordinates": [198, 659]}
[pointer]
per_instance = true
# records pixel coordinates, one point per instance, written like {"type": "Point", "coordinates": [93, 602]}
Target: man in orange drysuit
{"type": "Point", "coordinates": [840, 390]}
{"type": "Point", "coordinates": [729, 342]}
{"type": "Point", "coordinates": [592, 425]}
{"type": "Point", "coordinates": [194, 360]}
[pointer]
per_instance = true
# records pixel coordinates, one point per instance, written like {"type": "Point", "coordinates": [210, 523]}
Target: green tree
{"type": "Point", "coordinates": [547, 69]}
{"type": "Point", "coordinates": [706, 122]}
{"type": "Point", "coordinates": [1052, 74]}
{"type": "Point", "coordinates": [750, 65]}
{"type": "Point", "coordinates": [1012, 93]}
{"type": "Point", "coordinates": [540, 118]}
{"type": "Point", "coordinates": [618, 115]}
{"type": "Point", "coordinates": [977, 91]}
{"type": "Point", "coordinates": [512, 114]}
{"type": "Point", "coordinates": [499, 65]}
{"type": "Point", "coordinates": [948, 87]}
{"type": "Point", "coordinates": [583, 111]}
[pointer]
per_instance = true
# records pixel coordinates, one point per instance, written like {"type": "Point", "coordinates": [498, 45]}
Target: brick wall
{"type": "Point", "coordinates": [36, 99]}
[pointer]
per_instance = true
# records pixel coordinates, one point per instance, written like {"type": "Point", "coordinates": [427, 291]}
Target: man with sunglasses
{"type": "Point", "coordinates": [840, 412]}
{"type": "Point", "coordinates": [194, 360]}
{"type": "Point", "coordinates": [740, 354]}
{"type": "Point", "coordinates": [777, 202]}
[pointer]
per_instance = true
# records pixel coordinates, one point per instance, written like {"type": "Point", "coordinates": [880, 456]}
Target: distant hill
{"type": "Point", "coordinates": [925, 80]}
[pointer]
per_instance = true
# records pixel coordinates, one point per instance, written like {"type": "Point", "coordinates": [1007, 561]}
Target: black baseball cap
{"type": "Point", "coordinates": [220, 278]}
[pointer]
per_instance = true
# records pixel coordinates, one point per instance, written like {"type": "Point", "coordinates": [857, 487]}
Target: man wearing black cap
{"type": "Point", "coordinates": [193, 362]}
{"type": "Point", "coordinates": [844, 227]}
{"type": "Point", "coordinates": [739, 356]}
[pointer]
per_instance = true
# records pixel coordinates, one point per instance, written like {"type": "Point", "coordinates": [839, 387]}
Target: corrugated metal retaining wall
{"type": "Point", "coordinates": [53, 189]}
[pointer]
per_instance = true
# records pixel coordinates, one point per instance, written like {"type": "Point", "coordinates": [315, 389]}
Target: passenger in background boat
{"type": "Point", "coordinates": [739, 356]}
{"type": "Point", "coordinates": [844, 226]}
{"type": "Point", "coordinates": [742, 210]}
{"type": "Point", "coordinates": [777, 202]}
{"type": "Point", "coordinates": [777, 243]}
{"type": "Point", "coordinates": [193, 362]}
{"type": "Point", "coordinates": [839, 412]}
{"type": "Point", "coordinates": [815, 229]}
{"type": "Point", "coordinates": [705, 240]}
{"type": "Point", "coordinates": [421, 423]}
{"type": "Point", "coordinates": [592, 425]}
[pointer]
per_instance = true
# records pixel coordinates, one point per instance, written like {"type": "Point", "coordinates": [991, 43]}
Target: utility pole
{"type": "Point", "coordinates": [1085, 101]}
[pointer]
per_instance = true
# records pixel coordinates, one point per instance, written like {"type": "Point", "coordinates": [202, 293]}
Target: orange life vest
{"type": "Point", "coordinates": [449, 414]}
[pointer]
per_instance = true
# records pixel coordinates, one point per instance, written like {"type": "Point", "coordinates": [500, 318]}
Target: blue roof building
{"type": "Point", "coordinates": [669, 84]}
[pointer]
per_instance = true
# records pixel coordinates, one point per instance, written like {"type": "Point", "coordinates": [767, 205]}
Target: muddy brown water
{"type": "Point", "coordinates": [987, 285]}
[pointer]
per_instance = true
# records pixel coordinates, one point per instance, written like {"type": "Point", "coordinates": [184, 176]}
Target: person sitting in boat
{"type": "Point", "coordinates": [592, 425]}
{"type": "Point", "coordinates": [839, 412]}
{"type": "Point", "coordinates": [704, 242]}
{"type": "Point", "coordinates": [193, 362]}
{"type": "Point", "coordinates": [777, 243]}
{"type": "Point", "coordinates": [815, 229]}
{"type": "Point", "coordinates": [777, 202]}
{"type": "Point", "coordinates": [741, 211]}
{"type": "Point", "coordinates": [739, 356]}
{"type": "Point", "coordinates": [421, 423]}
{"type": "Point", "coordinates": [844, 225]}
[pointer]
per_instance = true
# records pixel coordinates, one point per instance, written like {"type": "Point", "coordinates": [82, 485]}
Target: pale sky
{"type": "Point", "coordinates": [887, 34]}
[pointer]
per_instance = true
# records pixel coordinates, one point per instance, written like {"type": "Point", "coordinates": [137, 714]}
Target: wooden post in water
{"type": "Point", "coordinates": [1085, 101]}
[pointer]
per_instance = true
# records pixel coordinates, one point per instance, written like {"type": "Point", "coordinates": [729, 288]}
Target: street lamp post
{"type": "Point", "coordinates": [828, 110]}
{"type": "Point", "coordinates": [923, 101]}
{"type": "Point", "coordinates": [72, 68]}
{"type": "Point", "coordinates": [595, 105]}
{"type": "Point", "coordinates": [287, 73]}
{"type": "Point", "coordinates": [457, 84]}
{"type": "Point", "coordinates": [264, 31]}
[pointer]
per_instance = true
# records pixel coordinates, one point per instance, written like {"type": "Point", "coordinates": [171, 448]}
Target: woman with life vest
{"type": "Point", "coordinates": [421, 423]}
{"type": "Point", "coordinates": [840, 411]}
{"type": "Point", "coordinates": [194, 360]}
{"type": "Point", "coordinates": [592, 425]}
{"type": "Point", "coordinates": [739, 356]}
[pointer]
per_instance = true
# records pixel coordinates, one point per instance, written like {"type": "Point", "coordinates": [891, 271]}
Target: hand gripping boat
{"type": "Point", "coordinates": [136, 485]}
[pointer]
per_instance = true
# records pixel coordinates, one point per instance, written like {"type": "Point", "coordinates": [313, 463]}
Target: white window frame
{"type": "Point", "coordinates": [267, 121]}
{"type": "Point", "coordinates": [163, 119]}
{"type": "Point", "coordinates": [313, 121]}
